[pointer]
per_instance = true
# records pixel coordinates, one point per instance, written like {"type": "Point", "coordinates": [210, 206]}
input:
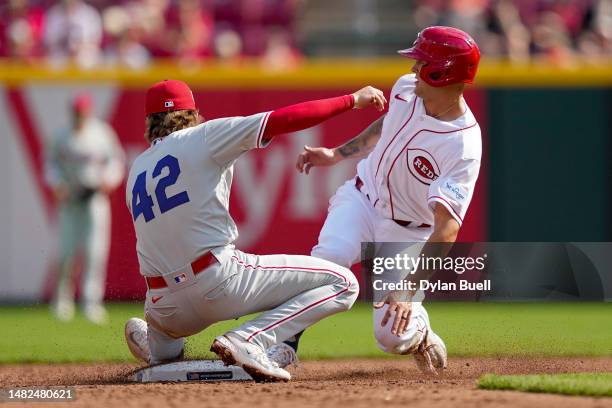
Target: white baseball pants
{"type": "Point", "coordinates": [351, 220]}
{"type": "Point", "coordinates": [293, 291]}
{"type": "Point", "coordinates": [84, 226]}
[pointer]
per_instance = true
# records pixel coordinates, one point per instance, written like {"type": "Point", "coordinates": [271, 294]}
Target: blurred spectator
{"type": "Point", "coordinates": [190, 27]}
{"type": "Point", "coordinates": [73, 32]}
{"type": "Point", "coordinates": [124, 38]}
{"type": "Point", "coordinates": [280, 53]}
{"type": "Point", "coordinates": [507, 35]}
{"type": "Point", "coordinates": [151, 18]}
{"type": "Point", "coordinates": [228, 45]}
{"type": "Point", "coordinates": [603, 20]}
{"type": "Point", "coordinates": [21, 29]}
{"type": "Point", "coordinates": [255, 21]}
{"type": "Point", "coordinates": [469, 15]}
{"type": "Point", "coordinates": [596, 41]}
{"type": "Point", "coordinates": [252, 27]}
{"type": "Point", "coordinates": [551, 38]}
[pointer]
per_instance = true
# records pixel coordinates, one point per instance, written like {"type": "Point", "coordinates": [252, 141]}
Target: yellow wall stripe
{"type": "Point", "coordinates": [336, 73]}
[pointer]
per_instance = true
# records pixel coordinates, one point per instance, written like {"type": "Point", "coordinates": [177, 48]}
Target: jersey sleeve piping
{"type": "Point", "coordinates": [448, 206]}
{"type": "Point", "coordinates": [260, 143]}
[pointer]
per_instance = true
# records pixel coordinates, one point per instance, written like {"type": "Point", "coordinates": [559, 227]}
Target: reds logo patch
{"type": "Point", "coordinates": [422, 165]}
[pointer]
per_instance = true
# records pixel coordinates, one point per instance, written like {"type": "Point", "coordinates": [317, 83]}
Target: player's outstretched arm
{"type": "Point", "coordinates": [358, 147]}
{"type": "Point", "coordinates": [307, 114]}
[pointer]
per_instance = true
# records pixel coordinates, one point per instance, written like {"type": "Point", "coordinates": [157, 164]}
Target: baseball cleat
{"type": "Point", "coordinates": [252, 358]}
{"type": "Point", "coordinates": [282, 354]}
{"type": "Point", "coordinates": [96, 314]}
{"type": "Point", "coordinates": [63, 310]}
{"type": "Point", "coordinates": [430, 356]}
{"type": "Point", "coordinates": [136, 338]}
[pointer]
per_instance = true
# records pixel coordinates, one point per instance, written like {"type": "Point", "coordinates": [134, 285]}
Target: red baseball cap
{"type": "Point", "coordinates": [82, 102]}
{"type": "Point", "coordinates": [167, 96]}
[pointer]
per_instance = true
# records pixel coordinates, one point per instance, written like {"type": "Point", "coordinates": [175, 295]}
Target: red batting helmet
{"type": "Point", "coordinates": [167, 96]}
{"type": "Point", "coordinates": [451, 55]}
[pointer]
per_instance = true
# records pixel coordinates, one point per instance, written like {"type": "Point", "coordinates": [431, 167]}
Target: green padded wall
{"type": "Point", "coordinates": [550, 164]}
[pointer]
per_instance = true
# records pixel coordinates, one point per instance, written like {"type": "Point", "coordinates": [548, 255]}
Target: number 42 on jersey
{"type": "Point", "coordinates": [142, 202]}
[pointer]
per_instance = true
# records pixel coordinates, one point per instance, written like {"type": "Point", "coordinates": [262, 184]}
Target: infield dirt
{"type": "Point", "coordinates": [340, 383]}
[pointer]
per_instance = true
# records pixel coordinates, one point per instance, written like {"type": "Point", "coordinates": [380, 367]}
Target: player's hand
{"type": "Point", "coordinates": [399, 305]}
{"type": "Point", "coordinates": [316, 156]}
{"type": "Point", "coordinates": [61, 193]}
{"type": "Point", "coordinates": [106, 188]}
{"type": "Point", "coordinates": [370, 96]}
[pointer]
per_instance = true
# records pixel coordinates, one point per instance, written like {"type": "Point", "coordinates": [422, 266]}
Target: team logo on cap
{"type": "Point", "coordinates": [422, 165]}
{"type": "Point", "coordinates": [169, 104]}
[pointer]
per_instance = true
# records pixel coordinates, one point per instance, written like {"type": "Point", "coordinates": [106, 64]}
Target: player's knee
{"type": "Point", "coordinates": [345, 285]}
{"type": "Point", "coordinates": [386, 341]}
{"type": "Point", "coordinates": [353, 288]}
{"type": "Point", "coordinates": [354, 283]}
{"type": "Point", "coordinates": [384, 348]}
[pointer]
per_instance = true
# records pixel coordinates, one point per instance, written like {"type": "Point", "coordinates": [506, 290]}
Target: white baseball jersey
{"type": "Point", "coordinates": [85, 160]}
{"type": "Point", "coordinates": [420, 160]}
{"type": "Point", "coordinates": [179, 215]}
{"type": "Point", "coordinates": [417, 162]}
{"type": "Point", "coordinates": [178, 193]}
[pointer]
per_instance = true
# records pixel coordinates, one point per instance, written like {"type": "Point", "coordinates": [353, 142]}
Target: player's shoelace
{"type": "Point", "coordinates": [427, 358]}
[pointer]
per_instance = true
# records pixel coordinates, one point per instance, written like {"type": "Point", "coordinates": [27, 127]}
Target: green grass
{"type": "Point", "coordinates": [30, 334]}
{"type": "Point", "coordinates": [591, 384]}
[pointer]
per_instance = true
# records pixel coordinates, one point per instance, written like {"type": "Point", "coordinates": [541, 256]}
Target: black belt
{"type": "Point", "coordinates": [407, 223]}
{"type": "Point", "coordinates": [359, 185]}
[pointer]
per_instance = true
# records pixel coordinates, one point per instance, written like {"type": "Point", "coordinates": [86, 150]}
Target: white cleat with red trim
{"type": "Point", "coordinates": [233, 350]}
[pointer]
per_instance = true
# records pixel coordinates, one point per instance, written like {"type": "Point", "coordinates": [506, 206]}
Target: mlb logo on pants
{"type": "Point", "coordinates": [181, 278]}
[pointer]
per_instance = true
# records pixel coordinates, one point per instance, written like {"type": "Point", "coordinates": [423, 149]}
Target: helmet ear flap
{"type": "Point", "coordinates": [437, 75]}
{"type": "Point", "coordinates": [472, 69]}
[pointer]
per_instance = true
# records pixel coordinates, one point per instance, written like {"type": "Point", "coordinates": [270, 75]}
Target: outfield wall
{"type": "Point", "coordinates": [279, 210]}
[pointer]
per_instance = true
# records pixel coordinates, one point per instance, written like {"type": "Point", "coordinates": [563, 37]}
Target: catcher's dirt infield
{"type": "Point", "coordinates": [354, 383]}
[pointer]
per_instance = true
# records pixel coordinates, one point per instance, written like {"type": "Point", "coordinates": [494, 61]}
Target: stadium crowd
{"type": "Point", "coordinates": [134, 32]}
{"type": "Point", "coordinates": [557, 30]}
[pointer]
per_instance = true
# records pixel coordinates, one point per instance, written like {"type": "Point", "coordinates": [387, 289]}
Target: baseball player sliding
{"type": "Point", "coordinates": [178, 194]}
{"type": "Point", "coordinates": [414, 184]}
